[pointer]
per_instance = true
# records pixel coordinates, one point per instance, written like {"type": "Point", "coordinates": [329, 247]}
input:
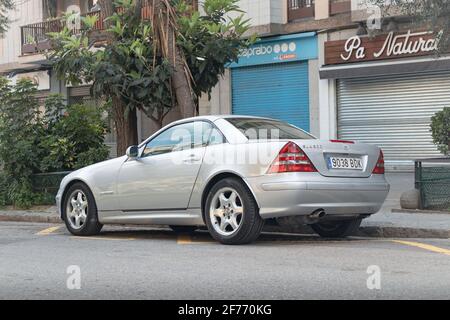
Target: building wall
{"type": "Point", "coordinates": [314, 112]}
{"type": "Point", "coordinates": [26, 12]}
{"type": "Point", "coordinates": [263, 12]}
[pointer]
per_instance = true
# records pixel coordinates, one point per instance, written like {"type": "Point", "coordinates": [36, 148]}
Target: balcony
{"type": "Point", "coordinates": [34, 37]}
{"type": "Point", "coordinates": [340, 6]}
{"type": "Point", "coordinates": [300, 9]}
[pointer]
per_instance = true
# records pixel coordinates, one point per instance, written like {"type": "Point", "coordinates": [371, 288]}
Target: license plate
{"type": "Point", "coordinates": [345, 163]}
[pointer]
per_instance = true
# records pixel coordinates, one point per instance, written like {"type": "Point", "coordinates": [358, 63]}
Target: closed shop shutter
{"type": "Point", "coordinates": [394, 113]}
{"type": "Point", "coordinates": [279, 91]}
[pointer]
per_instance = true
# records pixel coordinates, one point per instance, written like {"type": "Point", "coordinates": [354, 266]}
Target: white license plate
{"type": "Point", "coordinates": [345, 163]}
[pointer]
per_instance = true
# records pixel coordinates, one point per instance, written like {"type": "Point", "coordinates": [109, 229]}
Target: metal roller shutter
{"type": "Point", "coordinates": [394, 113]}
{"type": "Point", "coordinates": [279, 91]}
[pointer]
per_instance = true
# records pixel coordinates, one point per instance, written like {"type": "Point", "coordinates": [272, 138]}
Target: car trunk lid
{"type": "Point", "coordinates": [340, 158]}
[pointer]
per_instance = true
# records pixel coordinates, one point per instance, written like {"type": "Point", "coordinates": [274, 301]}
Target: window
{"type": "Point", "coordinates": [182, 137]}
{"type": "Point", "coordinates": [266, 129]}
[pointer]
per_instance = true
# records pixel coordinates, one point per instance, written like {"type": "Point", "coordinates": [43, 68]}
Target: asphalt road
{"type": "Point", "coordinates": [145, 263]}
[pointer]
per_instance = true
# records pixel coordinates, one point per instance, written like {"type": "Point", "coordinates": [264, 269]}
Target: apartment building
{"type": "Point", "coordinates": [318, 64]}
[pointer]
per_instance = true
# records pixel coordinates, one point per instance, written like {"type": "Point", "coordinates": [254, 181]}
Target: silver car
{"type": "Point", "coordinates": [230, 173]}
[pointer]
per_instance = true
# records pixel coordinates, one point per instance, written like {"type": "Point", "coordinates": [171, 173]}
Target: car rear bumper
{"type": "Point", "coordinates": [294, 194]}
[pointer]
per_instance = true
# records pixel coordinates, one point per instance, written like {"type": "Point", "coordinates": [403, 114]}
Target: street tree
{"type": "Point", "coordinates": [151, 65]}
{"type": "Point", "coordinates": [5, 6]}
{"type": "Point", "coordinates": [431, 14]}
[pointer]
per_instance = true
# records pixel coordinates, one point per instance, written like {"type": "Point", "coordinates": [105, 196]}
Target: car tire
{"type": "Point", "coordinates": [231, 213]}
{"type": "Point", "coordinates": [337, 229]}
{"type": "Point", "coordinates": [79, 211]}
{"type": "Point", "coordinates": [183, 229]}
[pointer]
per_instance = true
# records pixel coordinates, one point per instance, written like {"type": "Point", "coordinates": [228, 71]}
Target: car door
{"type": "Point", "coordinates": [163, 176]}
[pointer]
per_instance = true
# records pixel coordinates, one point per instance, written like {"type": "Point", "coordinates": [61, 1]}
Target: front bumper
{"type": "Point", "coordinates": [293, 194]}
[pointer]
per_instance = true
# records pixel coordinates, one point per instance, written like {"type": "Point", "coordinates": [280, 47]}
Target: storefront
{"type": "Point", "coordinates": [387, 89]}
{"type": "Point", "coordinates": [272, 79]}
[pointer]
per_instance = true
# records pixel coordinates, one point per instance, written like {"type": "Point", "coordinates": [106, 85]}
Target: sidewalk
{"type": "Point", "coordinates": [383, 224]}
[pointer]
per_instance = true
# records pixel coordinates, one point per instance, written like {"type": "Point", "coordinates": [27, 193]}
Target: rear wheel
{"type": "Point", "coordinates": [231, 213]}
{"type": "Point", "coordinates": [183, 229]}
{"type": "Point", "coordinates": [80, 211]}
{"type": "Point", "coordinates": [337, 229]}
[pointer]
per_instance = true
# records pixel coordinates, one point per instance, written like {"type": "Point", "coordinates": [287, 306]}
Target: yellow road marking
{"type": "Point", "coordinates": [424, 246]}
{"type": "Point", "coordinates": [47, 231]}
{"type": "Point", "coordinates": [184, 239]}
{"type": "Point", "coordinates": [102, 238]}
{"type": "Point", "coordinates": [187, 239]}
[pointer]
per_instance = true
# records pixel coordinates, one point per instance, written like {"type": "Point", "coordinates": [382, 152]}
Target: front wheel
{"type": "Point", "coordinates": [80, 211]}
{"type": "Point", "coordinates": [337, 229]}
{"type": "Point", "coordinates": [231, 213]}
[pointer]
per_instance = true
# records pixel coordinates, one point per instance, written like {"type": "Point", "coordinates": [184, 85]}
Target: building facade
{"type": "Point", "coordinates": [317, 64]}
{"type": "Point", "coordinates": [378, 86]}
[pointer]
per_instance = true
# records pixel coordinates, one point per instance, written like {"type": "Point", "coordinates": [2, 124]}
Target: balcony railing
{"type": "Point", "coordinates": [34, 37]}
{"type": "Point", "coordinates": [340, 6]}
{"type": "Point", "coordinates": [300, 9]}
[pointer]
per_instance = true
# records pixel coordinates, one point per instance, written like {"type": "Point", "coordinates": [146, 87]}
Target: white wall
{"type": "Point", "coordinates": [263, 12]}
{"type": "Point", "coordinates": [27, 11]}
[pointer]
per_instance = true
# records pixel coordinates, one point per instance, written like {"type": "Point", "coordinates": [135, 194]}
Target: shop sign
{"type": "Point", "coordinates": [279, 49]}
{"type": "Point", "coordinates": [390, 46]}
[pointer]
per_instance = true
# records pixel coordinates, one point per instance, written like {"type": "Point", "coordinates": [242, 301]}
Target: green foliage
{"type": "Point", "coordinates": [128, 69]}
{"type": "Point", "coordinates": [32, 141]}
{"type": "Point", "coordinates": [5, 5]}
{"type": "Point", "coordinates": [212, 41]}
{"type": "Point", "coordinates": [74, 139]}
{"type": "Point", "coordinates": [19, 138]}
{"type": "Point", "coordinates": [4, 198]}
{"type": "Point", "coordinates": [440, 130]}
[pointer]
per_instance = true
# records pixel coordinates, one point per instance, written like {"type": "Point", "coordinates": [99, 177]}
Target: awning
{"type": "Point", "coordinates": [371, 69]}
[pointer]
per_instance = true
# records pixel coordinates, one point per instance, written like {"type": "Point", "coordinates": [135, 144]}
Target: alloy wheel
{"type": "Point", "coordinates": [226, 211]}
{"type": "Point", "coordinates": [77, 208]}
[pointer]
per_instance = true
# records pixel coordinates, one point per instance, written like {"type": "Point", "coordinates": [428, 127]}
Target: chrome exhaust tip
{"type": "Point", "coordinates": [316, 216]}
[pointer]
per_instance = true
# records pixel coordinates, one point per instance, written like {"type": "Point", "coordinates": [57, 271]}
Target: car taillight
{"type": "Point", "coordinates": [379, 168]}
{"type": "Point", "coordinates": [343, 141]}
{"type": "Point", "coordinates": [291, 159]}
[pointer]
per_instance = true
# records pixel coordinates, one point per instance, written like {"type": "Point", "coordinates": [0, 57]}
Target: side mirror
{"type": "Point", "coordinates": [133, 152]}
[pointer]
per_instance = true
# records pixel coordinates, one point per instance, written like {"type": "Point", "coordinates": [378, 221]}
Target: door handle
{"type": "Point", "coordinates": [192, 158]}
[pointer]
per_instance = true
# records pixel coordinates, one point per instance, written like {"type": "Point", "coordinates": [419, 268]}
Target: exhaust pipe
{"type": "Point", "coordinates": [316, 216]}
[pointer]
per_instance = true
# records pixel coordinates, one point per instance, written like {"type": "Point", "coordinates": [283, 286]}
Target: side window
{"type": "Point", "coordinates": [215, 137]}
{"type": "Point", "coordinates": [176, 138]}
{"type": "Point", "coordinates": [182, 137]}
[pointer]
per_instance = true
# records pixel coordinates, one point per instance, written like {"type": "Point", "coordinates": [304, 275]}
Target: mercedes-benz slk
{"type": "Point", "coordinates": [230, 174]}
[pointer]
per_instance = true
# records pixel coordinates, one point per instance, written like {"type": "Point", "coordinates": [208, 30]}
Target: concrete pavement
{"type": "Point", "coordinates": [147, 263]}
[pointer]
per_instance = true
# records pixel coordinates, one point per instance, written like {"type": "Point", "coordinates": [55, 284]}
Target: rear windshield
{"type": "Point", "coordinates": [265, 129]}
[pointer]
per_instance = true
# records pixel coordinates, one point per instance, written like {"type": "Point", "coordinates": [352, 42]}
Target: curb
{"type": "Point", "coordinates": [400, 232]}
{"type": "Point", "coordinates": [412, 211]}
{"type": "Point", "coordinates": [372, 231]}
{"type": "Point", "coordinates": [30, 218]}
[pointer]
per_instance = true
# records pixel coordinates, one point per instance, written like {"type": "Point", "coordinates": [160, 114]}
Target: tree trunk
{"type": "Point", "coordinates": [181, 87]}
{"type": "Point", "coordinates": [180, 78]}
{"type": "Point", "coordinates": [126, 126]}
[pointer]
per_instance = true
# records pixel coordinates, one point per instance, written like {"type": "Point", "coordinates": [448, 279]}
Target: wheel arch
{"type": "Point", "coordinates": [216, 178]}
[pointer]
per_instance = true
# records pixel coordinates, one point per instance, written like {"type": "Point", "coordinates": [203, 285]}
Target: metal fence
{"type": "Point", "coordinates": [47, 183]}
{"type": "Point", "coordinates": [433, 182]}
